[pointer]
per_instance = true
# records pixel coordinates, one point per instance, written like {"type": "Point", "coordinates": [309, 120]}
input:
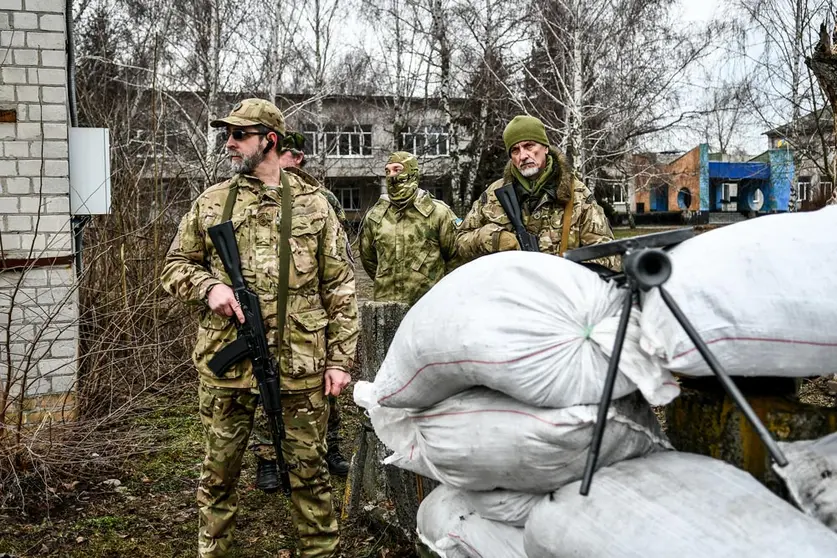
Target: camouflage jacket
{"type": "Point", "coordinates": [407, 251]}
{"type": "Point", "coordinates": [322, 326]}
{"type": "Point", "coordinates": [329, 195]}
{"type": "Point", "coordinates": [479, 232]}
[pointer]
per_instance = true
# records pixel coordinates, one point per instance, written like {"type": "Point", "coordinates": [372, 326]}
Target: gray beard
{"type": "Point", "coordinates": [247, 164]}
{"type": "Point", "coordinates": [529, 172]}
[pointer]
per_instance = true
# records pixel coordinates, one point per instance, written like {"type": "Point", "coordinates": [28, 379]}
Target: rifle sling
{"type": "Point", "coordinates": [568, 219]}
{"type": "Point", "coordinates": [284, 246]}
{"type": "Point", "coordinates": [284, 258]}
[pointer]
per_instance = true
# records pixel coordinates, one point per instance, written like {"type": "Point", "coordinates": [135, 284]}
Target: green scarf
{"type": "Point", "coordinates": [534, 189]}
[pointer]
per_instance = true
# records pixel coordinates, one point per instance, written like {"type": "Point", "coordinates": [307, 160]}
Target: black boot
{"type": "Point", "coordinates": [267, 475]}
{"type": "Point", "coordinates": [337, 464]}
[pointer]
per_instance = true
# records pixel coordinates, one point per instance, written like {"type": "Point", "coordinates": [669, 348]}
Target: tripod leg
{"type": "Point", "coordinates": [725, 380]}
{"type": "Point", "coordinates": [607, 394]}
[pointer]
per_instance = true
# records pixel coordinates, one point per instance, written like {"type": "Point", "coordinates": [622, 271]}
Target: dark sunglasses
{"type": "Point", "coordinates": [239, 135]}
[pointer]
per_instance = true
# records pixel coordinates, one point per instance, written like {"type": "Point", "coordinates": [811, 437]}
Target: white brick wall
{"type": "Point", "coordinates": [34, 198]}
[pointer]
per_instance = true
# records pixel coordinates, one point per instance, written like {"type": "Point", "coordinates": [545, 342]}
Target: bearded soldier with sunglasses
{"type": "Point", "coordinates": [315, 350]}
{"type": "Point", "coordinates": [292, 159]}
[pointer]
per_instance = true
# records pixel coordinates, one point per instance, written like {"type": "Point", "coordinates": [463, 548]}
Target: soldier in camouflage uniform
{"type": "Point", "coordinates": [317, 346]}
{"type": "Point", "coordinates": [292, 158]}
{"type": "Point", "coordinates": [545, 188]}
{"type": "Point", "coordinates": [408, 241]}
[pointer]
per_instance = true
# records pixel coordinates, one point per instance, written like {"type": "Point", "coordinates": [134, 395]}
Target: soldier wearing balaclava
{"type": "Point", "coordinates": [408, 238]}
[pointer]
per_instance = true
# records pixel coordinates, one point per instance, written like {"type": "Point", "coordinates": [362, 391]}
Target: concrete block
{"type": "Point", "coordinates": [60, 243]}
{"type": "Point", "coordinates": [53, 94]}
{"type": "Point", "coordinates": [7, 131]}
{"type": "Point", "coordinates": [29, 131]}
{"type": "Point", "coordinates": [53, 223]}
{"type": "Point", "coordinates": [25, 20]}
{"type": "Point", "coordinates": [5, 20]}
{"type": "Point", "coordinates": [63, 349]}
{"type": "Point", "coordinates": [44, 40]}
{"type": "Point", "coordinates": [17, 185]}
{"type": "Point", "coordinates": [53, 58]}
{"type": "Point", "coordinates": [23, 112]}
{"type": "Point", "coordinates": [55, 131]}
{"type": "Point", "coordinates": [8, 205]}
{"type": "Point", "coordinates": [14, 39]}
{"type": "Point", "coordinates": [27, 94]}
{"type": "Point", "coordinates": [38, 386]}
{"type": "Point", "coordinates": [17, 149]}
{"type": "Point", "coordinates": [55, 186]}
{"type": "Point", "coordinates": [45, 6]}
{"type": "Point", "coordinates": [34, 242]}
{"type": "Point", "coordinates": [56, 149]}
{"type": "Point", "coordinates": [52, 22]}
{"type": "Point", "coordinates": [63, 383]}
{"type": "Point", "coordinates": [56, 168]}
{"type": "Point", "coordinates": [36, 277]}
{"type": "Point", "coordinates": [56, 205]}
{"type": "Point", "coordinates": [48, 113]}
{"type": "Point", "coordinates": [30, 167]}
{"type": "Point", "coordinates": [25, 57]}
{"type": "Point", "coordinates": [7, 93]}
{"type": "Point", "coordinates": [11, 75]}
{"type": "Point", "coordinates": [18, 223]}
{"type": "Point", "coordinates": [32, 204]}
{"type": "Point", "coordinates": [12, 241]}
{"type": "Point", "coordinates": [11, 5]}
{"type": "Point", "coordinates": [50, 76]}
{"type": "Point", "coordinates": [8, 168]}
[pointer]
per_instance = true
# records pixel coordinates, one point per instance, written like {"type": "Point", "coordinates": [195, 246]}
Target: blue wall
{"type": "Point", "coordinates": [704, 177]}
{"type": "Point", "coordinates": [777, 196]}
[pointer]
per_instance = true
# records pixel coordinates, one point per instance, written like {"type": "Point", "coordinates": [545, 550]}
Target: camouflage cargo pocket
{"type": "Point", "coordinates": [215, 333]}
{"type": "Point", "coordinates": [307, 330]}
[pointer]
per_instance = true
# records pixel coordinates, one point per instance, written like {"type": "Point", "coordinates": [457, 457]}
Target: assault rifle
{"type": "Point", "coordinates": [508, 199]}
{"type": "Point", "coordinates": [252, 344]}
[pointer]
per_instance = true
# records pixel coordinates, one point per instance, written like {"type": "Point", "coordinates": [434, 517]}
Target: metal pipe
{"type": "Point", "coordinates": [607, 393]}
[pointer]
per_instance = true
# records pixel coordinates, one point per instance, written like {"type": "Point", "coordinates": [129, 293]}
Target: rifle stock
{"type": "Point", "coordinates": [254, 335]}
{"type": "Point", "coordinates": [508, 200]}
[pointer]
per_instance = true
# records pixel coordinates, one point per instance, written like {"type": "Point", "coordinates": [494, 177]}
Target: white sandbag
{"type": "Point", "coordinates": [533, 326]}
{"type": "Point", "coordinates": [673, 505]}
{"type": "Point", "coordinates": [449, 526]}
{"type": "Point", "coordinates": [506, 506]}
{"type": "Point", "coordinates": [760, 293]}
{"type": "Point", "coordinates": [811, 477]}
{"type": "Point", "coordinates": [481, 439]}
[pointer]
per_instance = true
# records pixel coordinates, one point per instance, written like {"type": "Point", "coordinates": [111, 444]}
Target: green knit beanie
{"type": "Point", "coordinates": [524, 128]}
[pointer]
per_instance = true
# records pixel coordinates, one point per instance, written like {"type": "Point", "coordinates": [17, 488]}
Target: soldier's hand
{"type": "Point", "coordinates": [222, 301]}
{"type": "Point", "coordinates": [336, 380]}
{"type": "Point", "coordinates": [508, 241]}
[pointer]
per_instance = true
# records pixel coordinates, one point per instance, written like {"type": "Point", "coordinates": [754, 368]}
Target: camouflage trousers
{"type": "Point", "coordinates": [262, 446]}
{"type": "Point", "coordinates": [227, 419]}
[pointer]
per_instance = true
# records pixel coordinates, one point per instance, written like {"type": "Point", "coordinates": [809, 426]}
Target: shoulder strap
{"type": "Point", "coordinates": [568, 219]}
{"type": "Point", "coordinates": [284, 256]}
{"type": "Point", "coordinates": [232, 194]}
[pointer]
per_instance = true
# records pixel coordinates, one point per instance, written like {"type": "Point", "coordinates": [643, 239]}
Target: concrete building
{"type": "Point", "coordinates": [37, 280]}
{"type": "Point", "coordinates": [701, 187]}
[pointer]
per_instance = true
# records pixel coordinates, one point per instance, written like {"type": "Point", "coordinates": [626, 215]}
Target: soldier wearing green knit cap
{"type": "Point", "coordinates": [408, 239]}
{"type": "Point", "coordinates": [557, 207]}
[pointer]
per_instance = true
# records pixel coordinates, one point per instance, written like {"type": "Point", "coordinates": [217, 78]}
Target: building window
{"type": "Point", "coordinates": [339, 141]}
{"type": "Point", "coordinates": [436, 190]}
{"type": "Point", "coordinates": [349, 197]}
{"type": "Point", "coordinates": [684, 198]}
{"type": "Point", "coordinates": [428, 141]}
{"type": "Point", "coordinates": [826, 189]}
{"type": "Point", "coordinates": [804, 189]}
{"type": "Point", "coordinates": [618, 193]}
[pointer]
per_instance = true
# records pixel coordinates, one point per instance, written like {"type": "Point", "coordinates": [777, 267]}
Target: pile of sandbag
{"type": "Point", "coordinates": [491, 386]}
{"type": "Point", "coordinates": [760, 293]}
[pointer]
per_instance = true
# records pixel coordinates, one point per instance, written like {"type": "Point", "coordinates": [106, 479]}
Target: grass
{"type": "Point", "coordinates": [152, 512]}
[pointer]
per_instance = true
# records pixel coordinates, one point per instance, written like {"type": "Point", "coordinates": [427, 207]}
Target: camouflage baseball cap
{"type": "Point", "coordinates": [252, 112]}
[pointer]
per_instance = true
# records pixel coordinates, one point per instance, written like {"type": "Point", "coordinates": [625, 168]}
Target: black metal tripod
{"type": "Point", "coordinates": [646, 266]}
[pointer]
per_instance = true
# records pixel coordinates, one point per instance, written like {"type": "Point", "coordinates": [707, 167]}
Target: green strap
{"type": "Point", "coordinates": [284, 255]}
{"type": "Point", "coordinates": [230, 203]}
